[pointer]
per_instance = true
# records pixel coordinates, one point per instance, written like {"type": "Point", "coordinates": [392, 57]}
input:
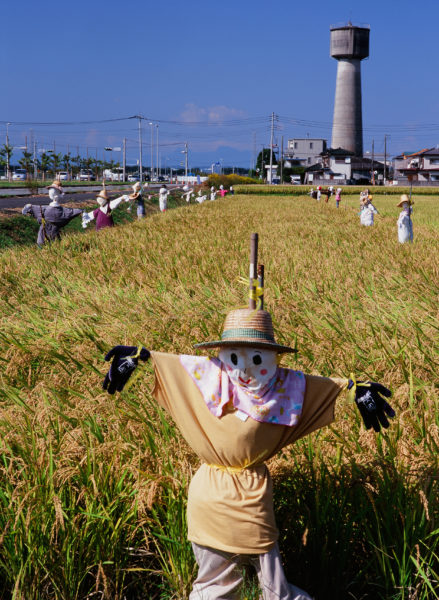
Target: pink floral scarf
{"type": "Point", "coordinates": [279, 402]}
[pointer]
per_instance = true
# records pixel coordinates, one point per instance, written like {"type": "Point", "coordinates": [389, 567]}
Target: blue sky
{"type": "Point", "coordinates": [225, 65]}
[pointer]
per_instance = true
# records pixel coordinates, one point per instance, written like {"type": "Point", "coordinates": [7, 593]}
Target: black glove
{"type": "Point", "coordinates": [125, 359]}
{"type": "Point", "coordinates": [371, 404]}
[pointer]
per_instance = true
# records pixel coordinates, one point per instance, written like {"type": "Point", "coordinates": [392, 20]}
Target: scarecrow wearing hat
{"type": "Point", "coordinates": [338, 197]}
{"type": "Point", "coordinates": [404, 223]}
{"type": "Point", "coordinates": [236, 411]}
{"type": "Point", "coordinates": [51, 218]}
{"type": "Point", "coordinates": [102, 215]}
{"type": "Point", "coordinates": [367, 209]}
{"type": "Point", "coordinates": [137, 197]}
{"type": "Point", "coordinates": [201, 198]}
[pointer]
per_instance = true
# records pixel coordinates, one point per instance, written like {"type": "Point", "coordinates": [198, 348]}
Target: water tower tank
{"type": "Point", "coordinates": [350, 42]}
{"type": "Point", "coordinates": [349, 46]}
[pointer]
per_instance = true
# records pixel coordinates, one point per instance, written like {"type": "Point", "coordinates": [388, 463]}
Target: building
{"type": "Point", "coordinates": [418, 168]}
{"type": "Point", "coordinates": [339, 166]}
{"type": "Point", "coordinates": [305, 152]}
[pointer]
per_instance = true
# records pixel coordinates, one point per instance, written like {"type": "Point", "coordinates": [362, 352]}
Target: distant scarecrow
{"type": "Point", "coordinates": [404, 223]}
{"type": "Point", "coordinates": [51, 218]}
{"type": "Point", "coordinates": [102, 215]}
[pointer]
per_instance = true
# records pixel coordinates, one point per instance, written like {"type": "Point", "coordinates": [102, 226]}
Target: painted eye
{"type": "Point", "coordinates": [257, 359]}
{"type": "Point", "coordinates": [234, 358]}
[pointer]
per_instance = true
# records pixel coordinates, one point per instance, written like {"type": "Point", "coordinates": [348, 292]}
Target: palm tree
{"type": "Point", "coordinates": [66, 160]}
{"type": "Point", "coordinates": [55, 159]}
{"type": "Point", "coordinates": [5, 158]}
{"type": "Point", "coordinates": [77, 161]}
{"type": "Point", "coordinates": [26, 162]}
{"type": "Point", "coordinates": [45, 164]}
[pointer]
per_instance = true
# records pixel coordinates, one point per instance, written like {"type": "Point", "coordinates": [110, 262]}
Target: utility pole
{"type": "Point", "coordinates": [140, 149]}
{"type": "Point", "coordinates": [271, 148]}
{"type": "Point", "coordinates": [185, 162]}
{"type": "Point", "coordinates": [35, 159]}
{"type": "Point", "coordinates": [282, 160]}
{"type": "Point", "coordinates": [254, 151]}
{"type": "Point", "coordinates": [124, 159]}
{"type": "Point", "coordinates": [157, 151]}
{"type": "Point", "coordinates": [8, 167]}
{"type": "Point", "coordinates": [385, 159]}
{"type": "Point", "coordinates": [373, 158]}
{"type": "Point", "coordinates": [152, 150]}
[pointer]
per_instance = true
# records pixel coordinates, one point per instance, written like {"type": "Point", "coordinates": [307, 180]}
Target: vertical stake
{"type": "Point", "coordinates": [261, 283]}
{"type": "Point", "coordinates": [253, 269]}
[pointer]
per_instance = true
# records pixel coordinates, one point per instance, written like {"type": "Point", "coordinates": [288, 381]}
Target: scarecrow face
{"type": "Point", "coordinates": [54, 194]}
{"type": "Point", "coordinates": [250, 368]}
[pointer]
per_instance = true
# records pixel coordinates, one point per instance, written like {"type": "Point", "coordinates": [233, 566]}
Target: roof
{"type": "Point", "coordinates": [423, 152]}
{"type": "Point", "coordinates": [338, 152]}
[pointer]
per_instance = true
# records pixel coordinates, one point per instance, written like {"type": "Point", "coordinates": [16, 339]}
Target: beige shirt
{"type": "Point", "coordinates": [230, 503]}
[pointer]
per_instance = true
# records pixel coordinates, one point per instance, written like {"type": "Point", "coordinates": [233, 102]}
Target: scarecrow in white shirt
{"type": "Point", "coordinates": [51, 218]}
{"type": "Point", "coordinates": [200, 198]}
{"type": "Point", "coordinates": [404, 223]}
{"type": "Point", "coordinates": [236, 411]}
{"type": "Point", "coordinates": [163, 198]}
{"type": "Point", "coordinates": [367, 211]}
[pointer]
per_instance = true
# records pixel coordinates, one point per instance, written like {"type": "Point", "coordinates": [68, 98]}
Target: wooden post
{"type": "Point", "coordinates": [261, 283]}
{"type": "Point", "coordinates": [253, 269]}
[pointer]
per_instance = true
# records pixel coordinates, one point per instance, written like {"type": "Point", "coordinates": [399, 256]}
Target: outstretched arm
{"type": "Point", "coordinates": [125, 360]}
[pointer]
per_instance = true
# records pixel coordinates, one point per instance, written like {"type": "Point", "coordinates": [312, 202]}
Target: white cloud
{"type": "Point", "coordinates": [213, 114]}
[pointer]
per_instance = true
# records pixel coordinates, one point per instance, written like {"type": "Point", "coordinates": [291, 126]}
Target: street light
{"type": "Point", "coordinates": [157, 152]}
{"type": "Point", "coordinates": [152, 148]}
{"type": "Point", "coordinates": [185, 151]}
{"type": "Point", "coordinates": [8, 171]}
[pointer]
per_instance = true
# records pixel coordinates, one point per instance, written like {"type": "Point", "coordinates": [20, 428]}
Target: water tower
{"type": "Point", "coordinates": [349, 46]}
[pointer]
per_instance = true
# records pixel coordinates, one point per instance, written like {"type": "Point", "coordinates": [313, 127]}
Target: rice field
{"type": "Point", "coordinates": [93, 487]}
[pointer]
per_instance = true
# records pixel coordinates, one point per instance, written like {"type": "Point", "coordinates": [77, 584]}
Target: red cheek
{"type": "Point", "coordinates": [263, 371]}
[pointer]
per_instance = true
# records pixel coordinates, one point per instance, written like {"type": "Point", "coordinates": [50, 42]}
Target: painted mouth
{"type": "Point", "coordinates": [245, 382]}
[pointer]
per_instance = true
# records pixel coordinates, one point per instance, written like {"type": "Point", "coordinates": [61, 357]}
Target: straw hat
{"type": "Point", "coordinates": [136, 191]}
{"type": "Point", "coordinates": [56, 184]}
{"type": "Point", "coordinates": [248, 327]}
{"type": "Point", "coordinates": [405, 198]}
{"type": "Point", "coordinates": [103, 194]}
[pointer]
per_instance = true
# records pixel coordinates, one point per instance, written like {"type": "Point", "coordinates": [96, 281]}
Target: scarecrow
{"type": "Point", "coordinates": [103, 214]}
{"type": "Point", "coordinates": [201, 198]}
{"type": "Point", "coordinates": [367, 210]}
{"type": "Point", "coordinates": [405, 224]}
{"type": "Point", "coordinates": [51, 218]}
{"type": "Point", "coordinates": [236, 411]}
{"type": "Point", "coordinates": [212, 193]}
{"type": "Point", "coordinates": [137, 197]}
{"type": "Point", "coordinates": [338, 197]}
{"type": "Point", "coordinates": [222, 191]}
{"type": "Point", "coordinates": [163, 198]}
{"type": "Point", "coordinates": [188, 194]}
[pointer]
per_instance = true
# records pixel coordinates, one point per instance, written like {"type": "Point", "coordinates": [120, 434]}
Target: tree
{"type": "Point", "coordinates": [26, 162]}
{"type": "Point", "coordinates": [5, 158]}
{"type": "Point", "coordinates": [44, 164]}
{"type": "Point", "coordinates": [263, 160]}
{"type": "Point", "coordinates": [55, 159]}
{"type": "Point", "coordinates": [66, 161]}
{"type": "Point", "coordinates": [78, 162]}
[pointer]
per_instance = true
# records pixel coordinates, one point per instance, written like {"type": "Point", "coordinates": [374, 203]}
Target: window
{"type": "Point", "coordinates": [295, 145]}
{"type": "Point", "coordinates": [311, 145]}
